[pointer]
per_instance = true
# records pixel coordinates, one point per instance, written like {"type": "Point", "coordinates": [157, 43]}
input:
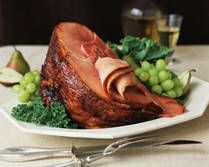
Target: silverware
{"type": "Point", "coordinates": [115, 146]}
{"type": "Point", "coordinates": [21, 154]}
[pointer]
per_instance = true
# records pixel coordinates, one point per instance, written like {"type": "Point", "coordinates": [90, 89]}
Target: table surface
{"type": "Point", "coordinates": [173, 156]}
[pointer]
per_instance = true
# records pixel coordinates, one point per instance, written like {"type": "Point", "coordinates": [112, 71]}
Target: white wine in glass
{"type": "Point", "coordinates": [168, 27]}
{"type": "Point", "coordinates": [169, 36]}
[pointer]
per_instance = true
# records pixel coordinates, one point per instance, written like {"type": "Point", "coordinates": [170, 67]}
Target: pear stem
{"type": "Point", "coordinates": [14, 47]}
{"type": "Point", "coordinates": [193, 70]}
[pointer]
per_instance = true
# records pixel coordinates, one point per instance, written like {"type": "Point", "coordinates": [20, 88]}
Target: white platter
{"type": "Point", "coordinates": [196, 104]}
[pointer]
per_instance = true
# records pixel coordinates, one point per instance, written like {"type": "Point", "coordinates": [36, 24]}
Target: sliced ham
{"type": "Point", "coordinates": [172, 106]}
{"type": "Point", "coordinates": [119, 83]}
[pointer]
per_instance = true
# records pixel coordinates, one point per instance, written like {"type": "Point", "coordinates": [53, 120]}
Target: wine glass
{"type": "Point", "coordinates": [168, 27]}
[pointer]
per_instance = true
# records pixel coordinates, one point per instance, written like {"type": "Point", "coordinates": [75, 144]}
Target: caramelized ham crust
{"type": "Point", "coordinates": [97, 89]}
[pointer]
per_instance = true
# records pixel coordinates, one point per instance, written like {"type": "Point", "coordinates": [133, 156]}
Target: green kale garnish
{"type": "Point", "coordinates": [116, 49]}
{"type": "Point", "coordinates": [36, 112]}
{"type": "Point", "coordinates": [140, 49]}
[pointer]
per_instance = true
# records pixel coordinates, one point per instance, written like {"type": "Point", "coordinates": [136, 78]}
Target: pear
{"type": "Point", "coordinates": [9, 76]}
{"type": "Point", "coordinates": [18, 63]}
{"type": "Point", "coordinates": [185, 78]}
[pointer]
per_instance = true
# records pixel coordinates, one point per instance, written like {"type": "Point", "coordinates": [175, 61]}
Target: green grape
{"type": "Point", "coordinates": [138, 71]}
{"type": "Point", "coordinates": [23, 96]}
{"type": "Point", "coordinates": [170, 75]}
{"type": "Point", "coordinates": [179, 91]}
{"type": "Point", "coordinates": [17, 88]}
{"type": "Point", "coordinates": [153, 80]}
{"type": "Point", "coordinates": [164, 75]}
{"type": "Point", "coordinates": [160, 64]}
{"type": "Point", "coordinates": [37, 79]}
{"type": "Point", "coordinates": [167, 85]}
{"type": "Point", "coordinates": [153, 71]}
{"type": "Point", "coordinates": [30, 88]}
{"type": "Point", "coordinates": [177, 82]}
{"type": "Point", "coordinates": [23, 83]}
{"type": "Point", "coordinates": [144, 76]}
{"type": "Point", "coordinates": [152, 65]}
{"type": "Point", "coordinates": [157, 89]}
{"type": "Point", "coordinates": [171, 93]}
{"type": "Point", "coordinates": [28, 77]}
{"type": "Point", "coordinates": [145, 65]}
{"type": "Point", "coordinates": [36, 72]}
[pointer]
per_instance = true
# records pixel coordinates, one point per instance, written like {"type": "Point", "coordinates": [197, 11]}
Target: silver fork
{"type": "Point", "coordinates": [117, 145]}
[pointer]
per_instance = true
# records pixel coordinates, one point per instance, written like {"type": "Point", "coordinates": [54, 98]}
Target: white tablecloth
{"type": "Point", "coordinates": [170, 156]}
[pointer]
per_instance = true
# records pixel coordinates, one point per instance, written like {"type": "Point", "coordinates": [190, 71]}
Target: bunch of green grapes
{"type": "Point", "coordinates": [158, 79]}
{"type": "Point", "coordinates": [28, 87]}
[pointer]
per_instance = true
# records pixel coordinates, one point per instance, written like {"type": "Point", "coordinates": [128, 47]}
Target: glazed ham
{"type": "Point", "coordinates": [97, 89]}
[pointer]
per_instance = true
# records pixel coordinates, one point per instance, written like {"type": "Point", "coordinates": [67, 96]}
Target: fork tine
{"type": "Point", "coordinates": [127, 141]}
{"type": "Point", "coordinates": [136, 138]}
{"type": "Point", "coordinates": [120, 141]}
{"type": "Point", "coordinates": [113, 147]}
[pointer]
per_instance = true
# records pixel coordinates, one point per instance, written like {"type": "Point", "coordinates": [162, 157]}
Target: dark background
{"type": "Point", "coordinates": [32, 21]}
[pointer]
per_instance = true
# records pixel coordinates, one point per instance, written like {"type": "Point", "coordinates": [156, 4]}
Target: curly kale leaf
{"type": "Point", "coordinates": [116, 49]}
{"type": "Point", "coordinates": [35, 112]}
{"type": "Point", "coordinates": [140, 49]}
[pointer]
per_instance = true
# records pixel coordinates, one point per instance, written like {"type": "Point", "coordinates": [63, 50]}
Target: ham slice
{"type": "Point", "coordinates": [119, 83]}
{"type": "Point", "coordinates": [172, 107]}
